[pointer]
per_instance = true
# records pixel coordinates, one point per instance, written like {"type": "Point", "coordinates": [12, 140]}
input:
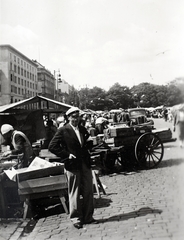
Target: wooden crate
{"type": "Point", "coordinates": [118, 132]}
{"type": "Point", "coordinates": [164, 134]}
{"type": "Point", "coordinates": [42, 183]}
{"type": "Point", "coordinates": [122, 141]}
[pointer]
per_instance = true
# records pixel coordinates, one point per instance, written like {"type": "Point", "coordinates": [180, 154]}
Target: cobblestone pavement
{"type": "Point", "coordinates": [144, 205]}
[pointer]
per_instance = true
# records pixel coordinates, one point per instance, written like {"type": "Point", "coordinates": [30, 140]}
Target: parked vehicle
{"type": "Point", "coordinates": [139, 116]}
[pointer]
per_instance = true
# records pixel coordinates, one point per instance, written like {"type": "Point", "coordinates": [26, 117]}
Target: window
{"type": "Point", "coordinates": [15, 79]}
{"type": "Point", "coordinates": [22, 82]}
{"type": "Point", "coordinates": [18, 90]}
{"type": "Point", "coordinates": [14, 58]}
{"type": "Point", "coordinates": [18, 80]}
{"type": "Point", "coordinates": [25, 83]}
{"type": "Point", "coordinates": [11, 77]}
{"type": "Point", "coordinates": [15, 68]}
{"type": "Point", "coordinates": [18, 70]}
{"type": "Point", "coordinates": [21, 71]}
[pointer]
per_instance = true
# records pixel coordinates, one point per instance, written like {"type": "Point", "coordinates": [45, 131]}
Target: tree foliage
{"type": "Point", "coordinates": [120, 96]}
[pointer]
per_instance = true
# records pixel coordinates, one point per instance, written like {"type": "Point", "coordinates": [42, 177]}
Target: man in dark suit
{"type": "Point", "coordinates": [70, 143]}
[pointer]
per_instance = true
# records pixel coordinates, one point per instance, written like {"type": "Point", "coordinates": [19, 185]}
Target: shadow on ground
{"type": "Point", "coordinates": [139, 213]}
{"type": "Point", "coordinates": [102, 202]}
{"type": "Point", "coordinates": [170, 162]}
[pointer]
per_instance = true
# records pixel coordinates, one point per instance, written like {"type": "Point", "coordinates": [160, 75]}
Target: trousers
{"type": "Point", "coordinates": [80, 184]}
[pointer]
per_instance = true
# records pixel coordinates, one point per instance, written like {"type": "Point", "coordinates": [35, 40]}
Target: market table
{"type": "Point", "coordinates": [42, 183]}
{"type": "Point", "coordinates": [47, 155]}
{"type": "Point", "coordinates": [8, 189]}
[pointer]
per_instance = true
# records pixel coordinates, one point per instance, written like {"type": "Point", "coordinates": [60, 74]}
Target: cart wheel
{"type": "Point", "coordinates": [149, 150]}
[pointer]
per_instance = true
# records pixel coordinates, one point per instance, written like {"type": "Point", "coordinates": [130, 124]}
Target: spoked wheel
{"type": "Point", "coordinates": [149, 150]}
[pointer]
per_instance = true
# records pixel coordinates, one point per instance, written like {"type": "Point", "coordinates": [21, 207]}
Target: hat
{"type": "Point", "coordinates": [5, 128]}
{"type": "Point", "coordinates": [60, 119]}
{"type": "Point", "coordinates": [72, 110]}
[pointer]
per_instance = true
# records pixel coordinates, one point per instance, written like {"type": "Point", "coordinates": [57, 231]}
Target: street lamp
{"type": "Point", "coordinates": [57, 77]}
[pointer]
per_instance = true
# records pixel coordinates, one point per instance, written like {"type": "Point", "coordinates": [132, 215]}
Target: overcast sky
{"type": "Point", "coordinates": [99, 42]}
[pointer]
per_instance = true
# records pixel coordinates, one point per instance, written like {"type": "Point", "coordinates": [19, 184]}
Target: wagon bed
{"type": "Point", "coordinates": [133, 147]}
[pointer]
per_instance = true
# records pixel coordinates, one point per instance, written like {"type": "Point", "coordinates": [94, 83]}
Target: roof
{"type": "Point", "coordinates": [136, 109]}
{"type": "Point", "coordinates": [36, 99]}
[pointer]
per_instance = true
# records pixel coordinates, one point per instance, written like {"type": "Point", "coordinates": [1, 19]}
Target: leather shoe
{"type": "Point", "coordinates": [78, 225]}
{"type": "Point", "coordinates": [93, 221]}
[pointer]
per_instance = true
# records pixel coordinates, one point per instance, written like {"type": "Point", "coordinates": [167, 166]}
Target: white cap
{"type": "Point", "coordinates": [60, 119]}
{"type": "Point", "coordinates": [5, 128]}
{"type": "Point", "coordinates": [101, 120]}
{"type": "Point", "coordinates": [72, 110]}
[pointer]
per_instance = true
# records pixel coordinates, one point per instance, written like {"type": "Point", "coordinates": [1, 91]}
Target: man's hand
{"type": "Point", "coordinates": [7, 153]}
{"type": "Point", "coordinates": [71, 156]}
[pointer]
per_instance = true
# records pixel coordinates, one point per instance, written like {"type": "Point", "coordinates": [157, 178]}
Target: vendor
{"type": "Point", "coordinates": [19, 145]}
{"type": "Point", "coordinates": [101, 123]}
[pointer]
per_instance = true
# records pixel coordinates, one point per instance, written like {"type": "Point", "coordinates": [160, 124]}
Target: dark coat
{"type": "Point", "coordinates": [65, 142]}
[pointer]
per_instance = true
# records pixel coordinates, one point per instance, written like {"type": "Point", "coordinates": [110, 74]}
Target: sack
{"type": "Point", "coordinates": [181, 116]}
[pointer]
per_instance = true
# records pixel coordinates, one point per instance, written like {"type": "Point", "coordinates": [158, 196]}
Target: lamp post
{"type": "Point", "coordinates": [57, 77]}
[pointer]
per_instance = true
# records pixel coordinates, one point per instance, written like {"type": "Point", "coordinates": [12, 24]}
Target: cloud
{"type": "Point", "coordinates": [23, 39]}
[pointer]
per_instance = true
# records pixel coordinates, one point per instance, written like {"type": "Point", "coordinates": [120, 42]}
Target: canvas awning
{"type": "Point", "coordinates": [51, 105]}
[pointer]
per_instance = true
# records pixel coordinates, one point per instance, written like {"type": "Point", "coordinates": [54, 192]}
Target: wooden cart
{"type": "Point", "coordinates": [135, 147]}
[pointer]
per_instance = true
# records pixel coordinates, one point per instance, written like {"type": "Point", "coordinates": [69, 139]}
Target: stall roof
{"type": "Point", "coordinates": [36, 99]}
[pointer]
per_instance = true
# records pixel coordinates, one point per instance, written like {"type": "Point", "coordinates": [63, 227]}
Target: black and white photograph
{"type": "Point", "coordinates": [91, 119]}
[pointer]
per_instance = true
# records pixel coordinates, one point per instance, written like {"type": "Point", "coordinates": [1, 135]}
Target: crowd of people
{"type": "Point", "coordinates": [68, 138]}
{"type": "Point", "coordinates": [95, 123]}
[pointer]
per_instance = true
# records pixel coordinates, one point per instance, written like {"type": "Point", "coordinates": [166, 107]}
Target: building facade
{"type": "Point", "coordinates": [46, 81]}
{"type": "Point", "coordinates": [18, 76]}
{"type": "Point", "coordinates": [22, 78]}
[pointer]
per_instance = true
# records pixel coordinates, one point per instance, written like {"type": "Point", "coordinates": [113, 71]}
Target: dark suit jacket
{"type": "Point", "coordinates": [65, 142]}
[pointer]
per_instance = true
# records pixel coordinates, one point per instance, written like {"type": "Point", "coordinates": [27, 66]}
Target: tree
{"type": "Point", "coordinates": [73, 97]}
{"type": "Point", "coordinates": [174, 95]}
{"type": "Point", "coordinates": [92, 98]}
{"type": "Point", "coordinates": [179, 84]}
{"type": "Point", "coordinates": [120, 95]}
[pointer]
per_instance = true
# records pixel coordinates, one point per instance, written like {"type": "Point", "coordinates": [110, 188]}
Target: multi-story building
{"type": "Point", "coordinates": [18, 76]}
{"type": "Point", "coordinates": [46, 81]}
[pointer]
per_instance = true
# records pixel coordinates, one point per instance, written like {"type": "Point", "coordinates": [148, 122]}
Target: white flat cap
{"type": "Point", "coordinates": [72, 110]}
{"type": "Point", "coordinates": [60, 119]}
{"type": "Point", "coordinates": [5, 128]}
